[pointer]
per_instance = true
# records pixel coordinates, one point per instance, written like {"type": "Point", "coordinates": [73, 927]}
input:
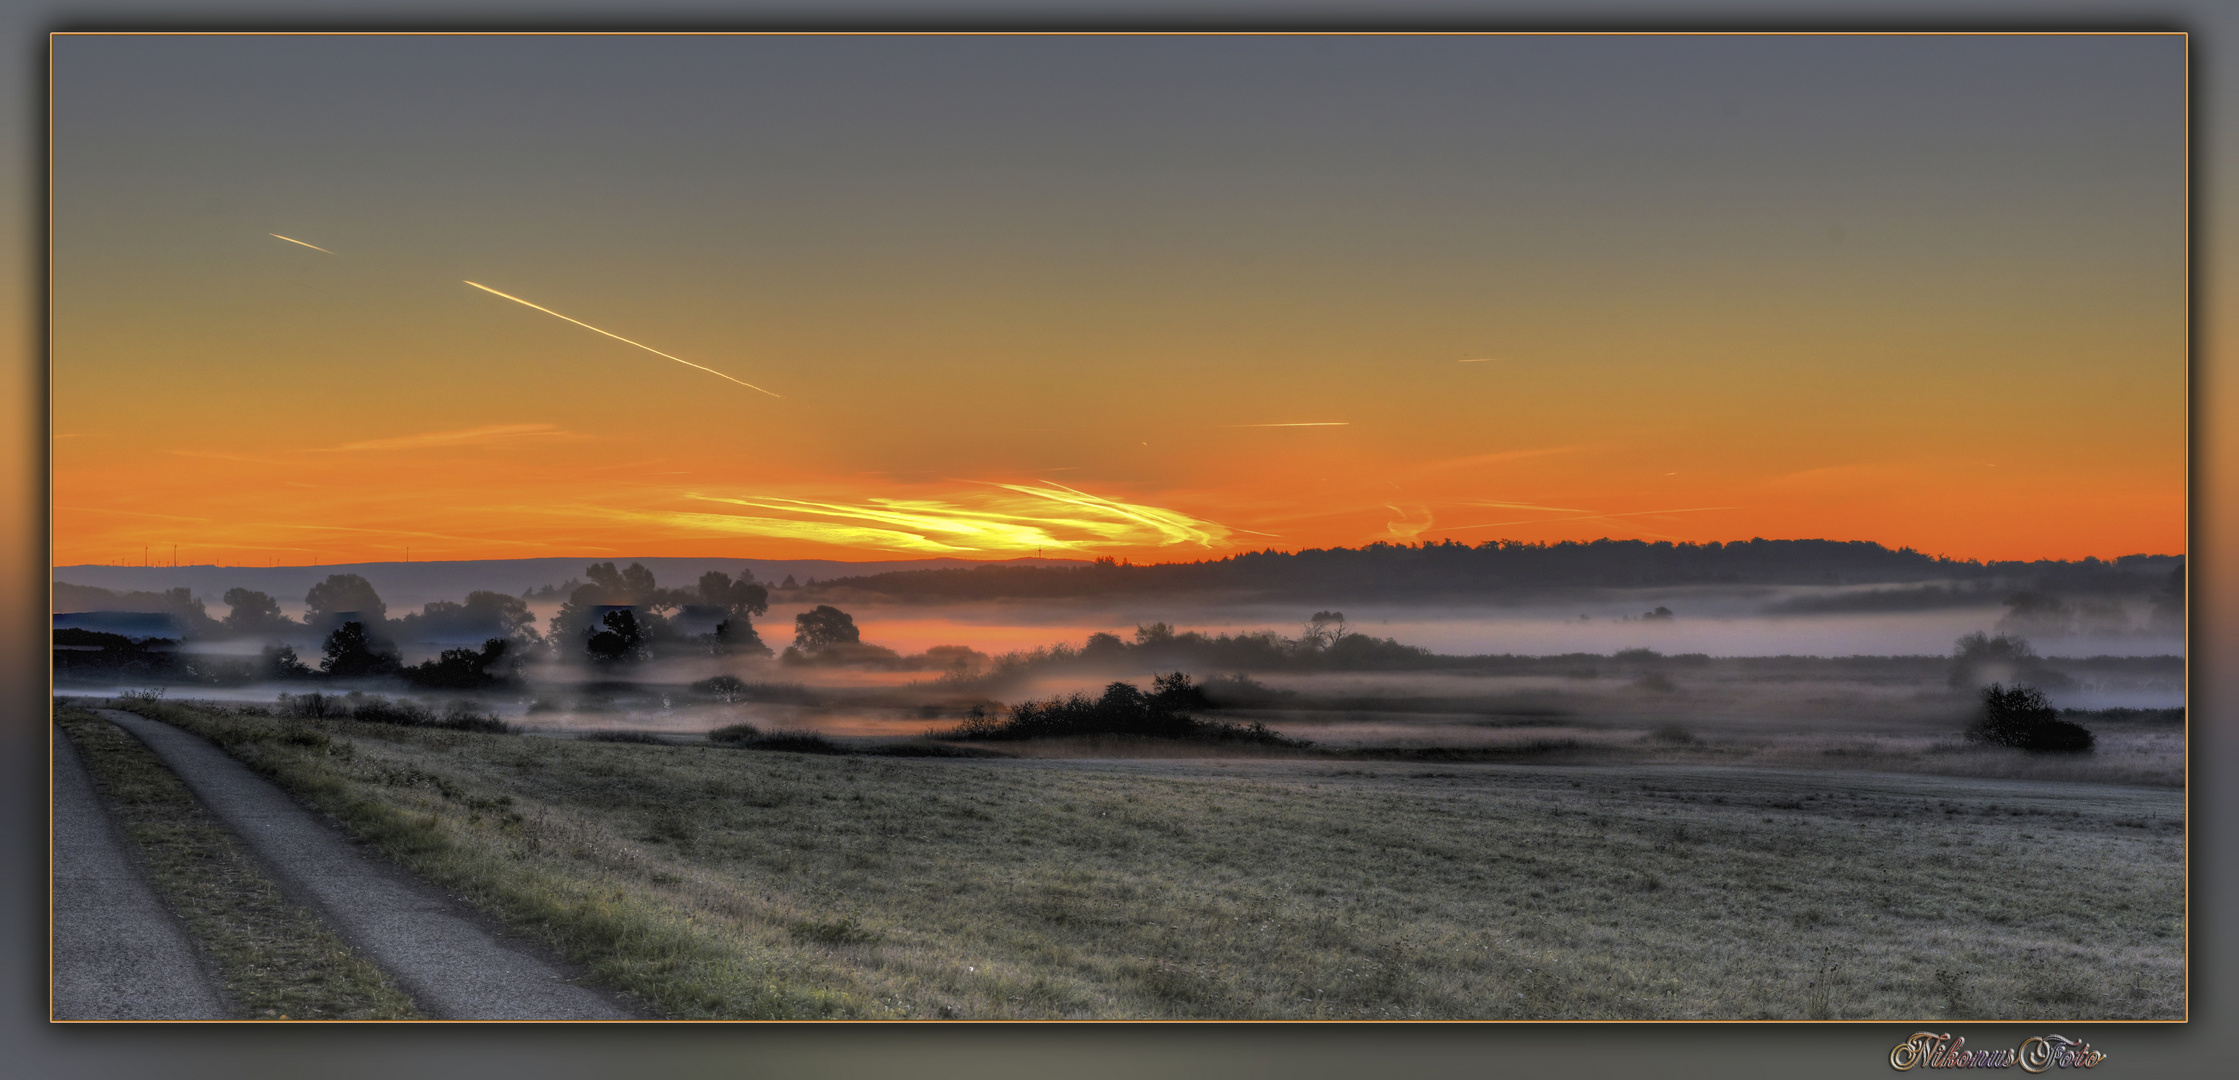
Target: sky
{"type": "Point", "coordinates": [333, 299]}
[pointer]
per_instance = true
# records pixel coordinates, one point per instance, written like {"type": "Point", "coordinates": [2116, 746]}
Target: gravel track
{"type": "Point", "coordinates": [450, 959]}
{"type": "Point", "coordinates": [118, 953]}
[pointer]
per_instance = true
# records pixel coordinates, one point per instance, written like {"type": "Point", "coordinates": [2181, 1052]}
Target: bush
{"type": "Point", "coordinates": [625, 736]}
{"type": "Point", "coordinates": [734, 733]}
{"type": "Point", "coordinates": [464, 669]}
{"type": "Point", "coordinates": [1122, 710]}
{"type": "Point", "coordinates": [2020, 717]}
{"type": "Point", "coordinates": [374, 709]}
{"type": "Point", "coordinates": [798, 742]}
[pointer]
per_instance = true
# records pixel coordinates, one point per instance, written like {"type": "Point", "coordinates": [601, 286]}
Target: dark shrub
{"type": "Point", "coordinates": [799, 742]}
{"type": "Point", "coordinates": [381, 710]}
{"type": "Point", "coordinates": [312, 706]}
{"type": "Point", "coordinates": [464, 669]}
{"type": "Point", "coordinates": [734, 733]}
{"type": "Point", "coordinates": [2020, 717]}
{"type": "Point", "coordinates": [464, 716]}
{"type": "Point", "coordinates": [374, 709]}
{"type": "Point", "coordinates": [1122, 710]}
{"type": "Point", "coordinates": [625, 736]}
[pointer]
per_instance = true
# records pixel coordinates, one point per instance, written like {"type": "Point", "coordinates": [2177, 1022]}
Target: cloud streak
{"type": "Point", "coordinates": [494, 433]}
{"type": "Point", "coordinates": [1006, 518]}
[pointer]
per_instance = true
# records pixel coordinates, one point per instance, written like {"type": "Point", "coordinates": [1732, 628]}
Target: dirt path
{"type": "Point", "coordinates": [452, 962]}
{"type": "Point", "coordinates": [118, 954]}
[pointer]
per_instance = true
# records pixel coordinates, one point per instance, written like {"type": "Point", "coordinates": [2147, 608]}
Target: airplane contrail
{"type": "Point", "coordinates": [1316, 423]}
{"type": "Point", "coordinates": [620, 338]}
{"type": "Point", "coordinates": [293, 240]}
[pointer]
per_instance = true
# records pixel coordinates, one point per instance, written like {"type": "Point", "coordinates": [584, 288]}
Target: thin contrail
{"type": "Point", "coordinates": [1317, 423]}
{"type": "Point", "coordinates": [293, 240]}
{"type": "Point", "coordinates": [620, 338]}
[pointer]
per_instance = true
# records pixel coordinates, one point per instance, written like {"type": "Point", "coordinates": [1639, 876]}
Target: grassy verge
{"type": "Point", "coordinates": [718, 883]}
{"type": "Point", "coordinates": [538, 866]}
{"type": "Point", "coordinates": [275, 958]}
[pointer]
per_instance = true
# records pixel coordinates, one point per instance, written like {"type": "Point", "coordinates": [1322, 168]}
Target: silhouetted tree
{"type": "Point", "coordinates": [2020, 717]}
{"type": "Point", "coordinates": [465, 669]}
{"type": "Point", "coordinates": [351, 653]}
{"type": "Point", "coordinates": [345, 595]}
{"type": "Point", "coordinates": [824, 628]}
{"type": "Point", "coordinates": [253, 613]}
{"type": "Point", "coordinates": [583, 614]}
{"type": "Point", "coordinates": [1325, 629]}
{"type": "Point", "coordinates": [484, 615]}
{"type": "Point", "coordinates": [280, 662]}
{"type": "Point", "coordinates": [742, 600]}
{"type": "Point", "coordinates": [1175, 694]}
{"type": "Point", "coordinates": [621, 639]}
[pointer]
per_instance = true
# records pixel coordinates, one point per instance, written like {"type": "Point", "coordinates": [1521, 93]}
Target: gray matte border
{"type": "Point", "coordinates": [1740, 1050]}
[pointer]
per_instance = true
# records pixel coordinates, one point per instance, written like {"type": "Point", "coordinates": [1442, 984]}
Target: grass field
{"type": "Point", "coordinates": [716, 882]}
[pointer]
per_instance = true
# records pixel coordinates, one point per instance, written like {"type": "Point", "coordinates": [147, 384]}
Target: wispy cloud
{"type": "Point", "coordinates": [494, 433]}
{"type": "Point", "coordinates": [1495, 458]}
{"type": "Point", "coordinates": [132, 513]}
{"type": "Point", "coordinates": [1411, 523]}
{"type": "Point", "coordinates": [215, 455]}
{"type": "Point", "coordinates": [1005, 518]}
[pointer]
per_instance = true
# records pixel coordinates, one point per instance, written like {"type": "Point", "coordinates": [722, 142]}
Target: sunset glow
{"type": "Point", "coordinates": [1929, 293]}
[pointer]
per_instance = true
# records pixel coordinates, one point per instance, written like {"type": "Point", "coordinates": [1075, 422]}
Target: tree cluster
{"type": "Point", "coordinates": [624, 614]}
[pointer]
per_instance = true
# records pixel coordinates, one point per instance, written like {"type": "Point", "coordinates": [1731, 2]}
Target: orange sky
{"type": "Point", "coordinates": [1958, 328]}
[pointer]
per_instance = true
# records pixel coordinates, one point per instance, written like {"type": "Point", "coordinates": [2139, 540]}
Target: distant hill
{"type": "Point", "coordinates": [1448, 570]}
{"type": "Point", "coordinates": [407, 586]}
{"type": "Point", "coordinates": [1377, 572]}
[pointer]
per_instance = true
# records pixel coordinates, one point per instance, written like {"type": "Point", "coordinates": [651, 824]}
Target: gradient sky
{"type": "Point", "coordinates": [1057, 293]}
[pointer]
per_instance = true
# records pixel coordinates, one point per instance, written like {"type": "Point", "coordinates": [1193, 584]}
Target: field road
{"type": "Point", "coordinates": [449, 959]}
{"type": "Point", "coordinates": [118, 955]}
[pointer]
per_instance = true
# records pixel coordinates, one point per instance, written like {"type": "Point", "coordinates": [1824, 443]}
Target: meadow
{"type": "Point", "coordinates": [1663, 882]}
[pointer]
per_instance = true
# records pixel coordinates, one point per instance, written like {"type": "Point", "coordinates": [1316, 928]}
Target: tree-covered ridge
{"type": "Point", "coordinates": [1449, 568]}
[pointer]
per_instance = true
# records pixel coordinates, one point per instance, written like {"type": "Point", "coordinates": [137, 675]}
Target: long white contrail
{"type": "Point", "coordinates": [620, 338]}
{"type": "Point", "coordinates": [293, 240]}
